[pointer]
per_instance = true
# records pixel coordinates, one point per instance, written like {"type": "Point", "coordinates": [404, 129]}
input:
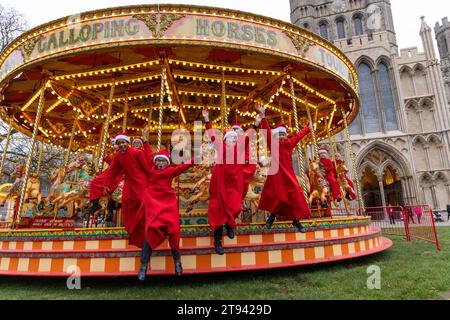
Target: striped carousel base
{"type": "Point", "coordinates": [105, 252]}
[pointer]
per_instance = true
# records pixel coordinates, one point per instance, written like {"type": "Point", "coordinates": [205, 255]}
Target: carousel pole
{"type": "Point", "coordinates": [161, 106]}
{"type": "Point", "coordinates": [105, 130]}
{"type": "Point", "coordinates": [41, 152]}
{"type": "Point", "coordinates": [5, 151]}
{"type": "Point", "coordinates": [352, 158]}
{"type": "Point", "coordinates": [72, 137]}
{"type": "Point", "coordinates": [224, 103]}
{"type": "Point", "coordinates": [30, 153]}
{"type": "Point", "coordinates": [125, 115]}
{"type": "Point", "coordinates": [315, 146]}
{"type": "Point", "coordinates": [298, 150]}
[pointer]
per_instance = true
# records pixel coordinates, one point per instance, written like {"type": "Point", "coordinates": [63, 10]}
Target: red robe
{"type": "Point", "coordinates": [97, 184]}
{"type": "Point", "coordinates": [135, 198]}
{"type": "Point", "coordinates": [163, 219]}
{"type": "Point", "coordinates": [226, 186]}
{"type": "Point", "coordinates": [350, 182]}
{"type": "Point", "coordinates": [330, 176]}
{"type": "Point", "coordinates": [282, 195]}
{"type": "Point", "coordinates": [249, 168]}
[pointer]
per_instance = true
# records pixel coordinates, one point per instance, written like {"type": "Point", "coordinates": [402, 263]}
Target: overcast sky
{"type": "Point", "coordinates": [407, 13]}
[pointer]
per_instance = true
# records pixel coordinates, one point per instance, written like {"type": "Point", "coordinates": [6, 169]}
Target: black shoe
{"type": "Point", "coordinates": [142, 272]}
{"type": "Point", "coordinates": [270, 221]}
{"type": "Point", "coordinates": [177, 261]}
{"type": "Point", "coordinates": [347, 196]}
{"type": "Point", "coordinates": [230, 232]}
{"type": "Point", "coordinates": [218, 234]}
{"type": "Point", "coordinates": [145, 260]}
{"type": "Point", "coordinates": [299, 226]}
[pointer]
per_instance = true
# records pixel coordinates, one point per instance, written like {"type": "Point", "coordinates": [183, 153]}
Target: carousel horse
{"type": "Point", "coordinates": [320, 190]}
{"type": "Point", "coordinates": [33, 189]}
{"type": "Point", "coordinates": [258, 181]}
{"type": "Point", "coordinates": [57, 179]}
{"type": "Point", "coordinates": [33, 186]}
{"type": "Point", "coordinates": [201, 191]}
{"type": "Point", "coordinates": [78, 189]}
{"type": "Point", "coordinates": [18, 173]}
{"type": "Point", "coordinates": [341, 171]}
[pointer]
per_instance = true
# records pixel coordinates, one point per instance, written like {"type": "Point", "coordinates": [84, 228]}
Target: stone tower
{"type": "Point", "coordinates": [443, 40]}
{"type": "Point", "coordinates": [401, 137]}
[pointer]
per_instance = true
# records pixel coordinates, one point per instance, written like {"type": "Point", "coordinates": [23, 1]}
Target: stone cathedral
{"type": "Point", "coordinates": [401, 138]}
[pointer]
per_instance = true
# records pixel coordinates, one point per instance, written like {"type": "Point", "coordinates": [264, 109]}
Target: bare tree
{"type": "Point", "coordinates": [12, 24]}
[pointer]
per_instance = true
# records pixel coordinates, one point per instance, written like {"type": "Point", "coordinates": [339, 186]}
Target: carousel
{"type": "Point", "coordinates": [75, 82]}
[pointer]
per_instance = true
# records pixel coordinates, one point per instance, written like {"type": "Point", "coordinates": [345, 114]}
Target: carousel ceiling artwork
{"type": "Point", "coordinates": [113, 60]}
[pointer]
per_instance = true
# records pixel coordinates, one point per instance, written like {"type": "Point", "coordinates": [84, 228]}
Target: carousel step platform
{"type": "Point", "coordinates": [105, 252]}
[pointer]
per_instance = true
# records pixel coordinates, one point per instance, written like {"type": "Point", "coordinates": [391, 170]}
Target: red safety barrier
{"type": "Point", "coordinates": [419, 221]}
{"type": "Point", "coordinates": [346, 212]}
{"type": "Point", "coordinates": [389, 220]}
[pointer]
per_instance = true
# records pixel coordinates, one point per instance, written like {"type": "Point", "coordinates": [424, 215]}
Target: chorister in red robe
{"type": "Point", "coordinates": [227, 184]}
{"type": "Point", "coordinates": [330, 174]}
{"type": "Point", "coordinates": [282, 195]}
{"type": "Point", "coordinates": [163, 219]}
{"type": "Point", "coordinates": [133, 164]}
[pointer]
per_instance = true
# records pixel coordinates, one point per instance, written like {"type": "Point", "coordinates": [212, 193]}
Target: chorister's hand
{"type": "Point", "coordinates": [146, 134]}
{"type": "Point", "coordinates": [258, 120]}
{"type": "Point", "coordinates": [262, 111]}
{"type": "Point", "coordinates": [205, 114]}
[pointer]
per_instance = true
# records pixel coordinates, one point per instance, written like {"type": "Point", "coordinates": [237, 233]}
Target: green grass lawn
{"type": "Point", "coordinates": [408, 271]}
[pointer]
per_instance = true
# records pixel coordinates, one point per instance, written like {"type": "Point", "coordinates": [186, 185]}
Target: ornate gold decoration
{"type": "Point", "coordinates": [57, 128]}
{"type": "Point", "coordinates": [300, 43]}
{"type": "Point", "coordinates": [157, 23]}
{"type": "Point", "coordinates": [28, 47]}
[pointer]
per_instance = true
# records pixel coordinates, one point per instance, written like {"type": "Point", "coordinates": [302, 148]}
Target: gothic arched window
{"type": "Point", "coordinates": [387, 97]}
{"type": "Point", "coordinates": [358, 26]}
{"type": "Point", "coordinates": [340, 24]}
{"type": "Point", "coordinates": [324, 30]}
{"type": "Point", "coordinates": [368, 99]}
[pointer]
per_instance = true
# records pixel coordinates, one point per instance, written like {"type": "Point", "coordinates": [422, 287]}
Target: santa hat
{"type": "Point", "coordinates": [280, 128]}
{"type": "Point", "coordinates": [229, 133]}
{"type": "Point", "coordinates": [236, 126]}
{"type": "Point", "coordinates": [138, 139]}
{"type": "Point", "coordinates": [113, 140]}
{"type": "Point", "coordinates": [323, 151]}
{"type": "Point", "coordinates": [164, 154]}
{"type": "Point", "coordinates": [122, 136]}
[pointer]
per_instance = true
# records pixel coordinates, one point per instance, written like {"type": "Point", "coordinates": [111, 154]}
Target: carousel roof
{"type": "Point", "coordinates": [208, 53]}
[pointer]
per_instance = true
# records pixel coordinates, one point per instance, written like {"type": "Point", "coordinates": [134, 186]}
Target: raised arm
{"type": "Point", "coordinates": [147, 147]}
{"type": "Point", "coordinates": [210, 130]}
{"type": "Point", "coordinates": [299, 136]}
{"type": "Point", "coordinates": [182, 168]}
{"type": "Point", "coordinates": [266, 126]}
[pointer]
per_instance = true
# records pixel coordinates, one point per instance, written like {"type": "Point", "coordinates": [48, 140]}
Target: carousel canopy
{"type": "Point", "coordinates": [212, 57]}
